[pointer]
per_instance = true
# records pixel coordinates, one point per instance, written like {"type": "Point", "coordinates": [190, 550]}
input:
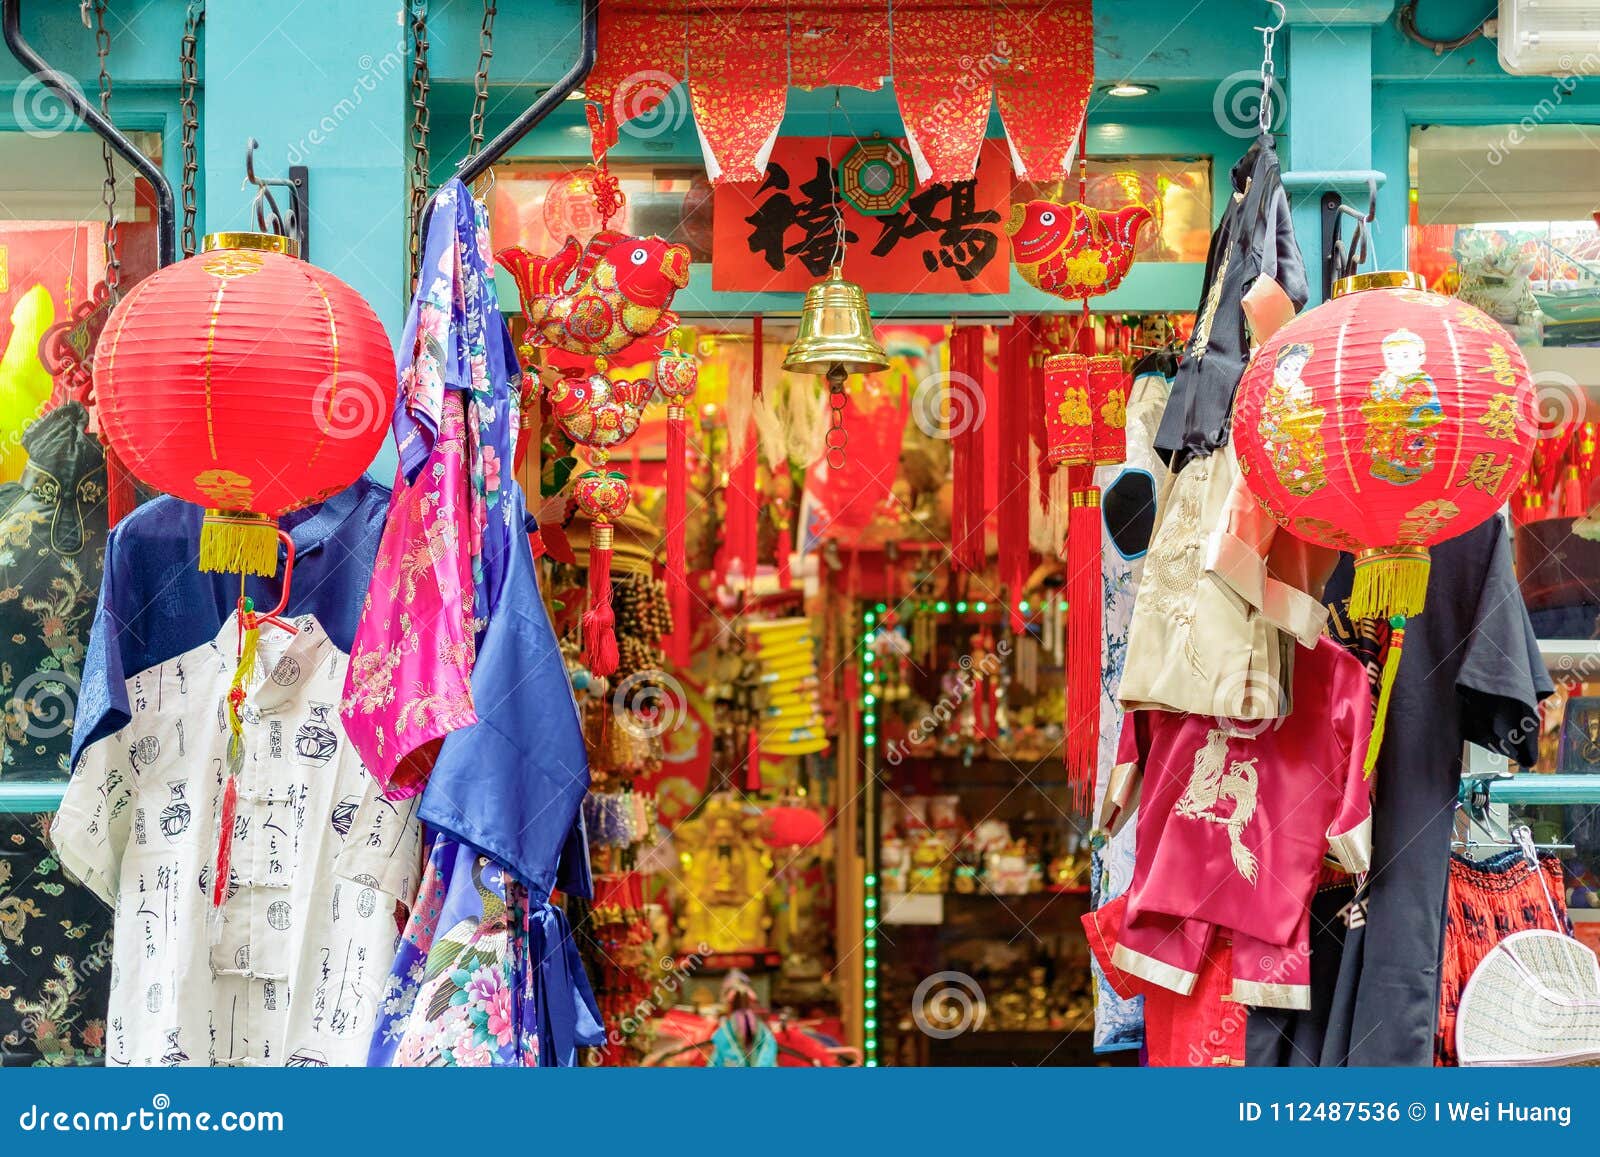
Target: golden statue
{"type": "Point", "coordinates": [726, 870]}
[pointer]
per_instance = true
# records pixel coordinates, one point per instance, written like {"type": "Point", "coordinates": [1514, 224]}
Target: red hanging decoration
{"type": "Point", "coordinates": [838, 46]}
{"type": "Point", "coordinates": [677, 375]}
{"type": "Point", "coordinates": [1016, 479]}
{"type": "Point", "coordinates": [738, 85]}
{"type": "Point", "coordinates": [639, 60]}
{"type": "Point", "coordinates": [944, 83]}
{"type": "Point", "coordinates": [1085, 410]}
{"type": "Point", "coordinates": [968, 515]}
{"type": "Point", "coordinates": [603, 497]}
{"type": "Point", "coordinates": [1043, 84]}
{"type": "Point", "coordinates": [1075, 251]}
{"type": "Point", "coordinates": [595, 300]}
{"type": "Point", "coordinates": [248, 382]}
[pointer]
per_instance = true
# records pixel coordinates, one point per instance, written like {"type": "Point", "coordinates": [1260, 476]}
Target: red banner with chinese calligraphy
{"type": "Point", "coordinates": [778, 235]}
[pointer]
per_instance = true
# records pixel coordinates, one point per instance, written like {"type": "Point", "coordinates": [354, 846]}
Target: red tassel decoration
{"type": "Point", "coordinates": [1016, 480]}
{"type": "Point", "coordinates": [230, 807]}
{"type": "Point", "coordinates": [968, 514]}
{"type": "Point", "coordinates": [677, 516]}
{"type": "Point", "coordinates": [121, 497]}
{"type": "Point", "coordinates": [752, 762]}
{"type": "Point", "coordinates": [677, 374]}
{"type": "Point", "coordinates": [1084, 629]}
{"type": "Point", "coordinates": [599, 621]}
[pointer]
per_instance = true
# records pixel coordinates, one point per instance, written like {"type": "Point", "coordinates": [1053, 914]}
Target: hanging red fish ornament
{"type": "Point", "coordinates": [595, 300]}
{"type": "Point", "coordinates": [1074, 251]}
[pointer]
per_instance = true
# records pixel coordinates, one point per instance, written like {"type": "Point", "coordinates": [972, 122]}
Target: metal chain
{"type": "Point", "coordinates": [480, 79]}
{"type": "Point", "coordinates": [108, 190]}
{"type": "Point", "coordinates": [189, 81]}
{"type": "Point", "coordinates": [419, 129]}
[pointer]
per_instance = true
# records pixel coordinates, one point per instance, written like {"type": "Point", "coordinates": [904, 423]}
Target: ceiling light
{"type": "Point", "coordinates": [1127, 89]}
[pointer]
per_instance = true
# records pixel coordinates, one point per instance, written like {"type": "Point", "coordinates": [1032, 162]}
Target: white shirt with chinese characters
{"type": "Point", "coordinates": [290, 970]}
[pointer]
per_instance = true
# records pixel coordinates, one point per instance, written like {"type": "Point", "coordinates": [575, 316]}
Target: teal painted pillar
{"type": "Point", "coordinates": [1329, 119]}
{"type": "Point", "coordinates": [325, 89]}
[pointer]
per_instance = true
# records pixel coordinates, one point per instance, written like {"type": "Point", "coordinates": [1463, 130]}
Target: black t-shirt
{"type": "Point", "coordinates": [1470, 672]}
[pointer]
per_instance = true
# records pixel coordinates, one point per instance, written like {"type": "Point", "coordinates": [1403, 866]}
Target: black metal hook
{"type": "Point", "coordinates": [72, 96]}
{"type": "Point", "coordinates": [269, 218]}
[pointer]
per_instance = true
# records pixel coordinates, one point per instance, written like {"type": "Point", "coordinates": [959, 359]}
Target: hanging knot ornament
{"type": "Point", "coordinates": [603, 496]}
{"type": "Point", "coordinates": [1381, 422]}
{"type": "Point", "coordinates": [246, 381]}
{"type": "Point", "coordinates": [677, 375]}
{"type": "Point", "coordinates": [597, 299]}
{"type": "Point", "coordinates": [594, 411]}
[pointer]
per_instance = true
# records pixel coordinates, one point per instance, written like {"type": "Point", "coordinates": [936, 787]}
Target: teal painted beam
{"type": "Point", "coordinates": [327, 90]}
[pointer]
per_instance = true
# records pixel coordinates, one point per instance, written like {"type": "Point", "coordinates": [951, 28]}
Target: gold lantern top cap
{"type": "Point", "coordinates": [1382, 279]}
{"type": "Point", "coordinates": [261, 242]}
{"type": "Point", "coordinates": [835, 331]}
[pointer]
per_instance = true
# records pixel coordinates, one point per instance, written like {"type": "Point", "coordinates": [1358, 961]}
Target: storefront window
{"type": "Point", "coordinates": [1180, 186]}
{"type": "Point", "coordinates": [539, 204]}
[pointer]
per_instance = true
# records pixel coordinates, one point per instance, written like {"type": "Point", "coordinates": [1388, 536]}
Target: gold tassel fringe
{"type": "Point", "coordinates": [1389, 582]}
{"type": "Point", "coordinates": [238, 542]}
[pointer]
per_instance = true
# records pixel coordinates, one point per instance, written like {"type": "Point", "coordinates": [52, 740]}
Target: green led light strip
{"type": "Point", "coordinates": [869, 882]}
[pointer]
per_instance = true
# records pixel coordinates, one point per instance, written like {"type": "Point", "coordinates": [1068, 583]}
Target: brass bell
{"type": "Point", "coordinates": [835, 337]}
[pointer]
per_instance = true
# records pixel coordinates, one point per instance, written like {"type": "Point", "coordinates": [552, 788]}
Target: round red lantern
{"type": "Point", "coordinates": [1382, 421]}
{"type": "Point", "coordinates": [792, 826]}
{"type": "Point", "coordinates": [246, 381]}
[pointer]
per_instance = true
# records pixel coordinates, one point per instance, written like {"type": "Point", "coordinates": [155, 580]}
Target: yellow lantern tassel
{"type": "Point", "coordinates": [1391, 666]}
{"type": "Point", "coordinates": [239, 542]}
{"type": "Point", "coordinates": [1389, 582]}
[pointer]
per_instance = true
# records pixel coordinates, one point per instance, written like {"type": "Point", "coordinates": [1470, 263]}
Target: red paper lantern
{"type": "Point", "coordinates": [1382, 421]}
{"type": "Point", "coordinates": [792, 826]}
{"type": "Point", "coordinates": [246, 381]}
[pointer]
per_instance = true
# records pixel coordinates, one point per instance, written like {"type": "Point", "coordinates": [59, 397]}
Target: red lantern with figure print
{"type": "Point", "coordinates": [248, 382]}
{"type": "Point", "coordinates": [1385, 420]}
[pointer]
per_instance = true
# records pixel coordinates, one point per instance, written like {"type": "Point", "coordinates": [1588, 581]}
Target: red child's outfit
{"type": "Point", "coordinates": [1233, 826]}
{"type": "Point", "coordinates": [1205, 1027]}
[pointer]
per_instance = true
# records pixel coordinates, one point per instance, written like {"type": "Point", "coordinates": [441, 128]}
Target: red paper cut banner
{"type": "Point", "coordinates": [779, 235]}
{"type": "Point", "coordinates": [639, 60]}
{"type": "Point", "coordinates": [1044, 82]}
{"type": "Point", "coordinates": [838, 45]}
{"type": "Point", "coordinates": [738, 85]}
{"type": "Point", "coordinates": [944, 67]}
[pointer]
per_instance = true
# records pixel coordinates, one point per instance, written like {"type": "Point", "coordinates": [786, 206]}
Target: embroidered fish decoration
{"type": "Point", "coordinates": [1074, 251]}
{"type": "Point", "coordinates": [598, 412]}
{"type": "Point", "coordinates": [596, 299]}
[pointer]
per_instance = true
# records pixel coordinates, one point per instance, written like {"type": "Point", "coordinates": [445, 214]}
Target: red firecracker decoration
{"type": "Point", "coordinates": [248, 382]}
{"type": "Point", "coordinates": [677, 375]}
{"type": "Point", "coordinates": [1085, 415]}
{"type": "Point", "coordinates": [1382, 421]}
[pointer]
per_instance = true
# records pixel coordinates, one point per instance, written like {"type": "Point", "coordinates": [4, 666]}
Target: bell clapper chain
{"type": "Point", "coordinates": [837, 437]}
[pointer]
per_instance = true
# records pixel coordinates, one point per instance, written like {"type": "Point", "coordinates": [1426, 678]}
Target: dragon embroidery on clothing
{"type": "Point", "coordinates": [1215, 779]}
